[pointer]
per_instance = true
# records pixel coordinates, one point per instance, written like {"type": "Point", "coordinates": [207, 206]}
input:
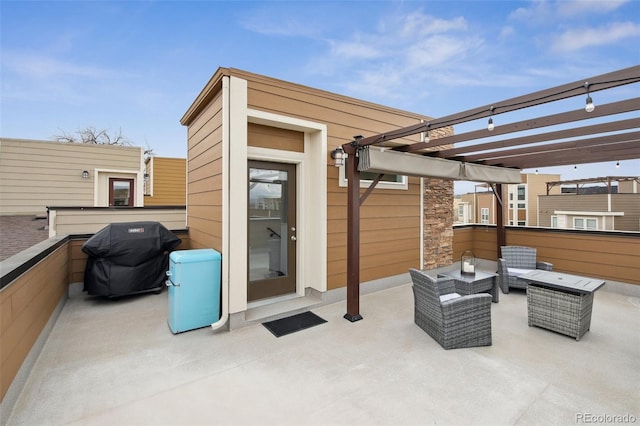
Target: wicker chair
{"type": "Point", "coordinates": [452, 320]}
{"type": "Point", "coordinates": [515, 261]}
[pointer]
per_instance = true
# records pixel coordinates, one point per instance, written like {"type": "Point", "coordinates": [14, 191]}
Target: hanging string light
{"type": "Point", "coordinates": [617, 164]}
{"type": "Point", "coordinates": [490, 125]}
{"type": "Point", "coordinates": [589, 107]}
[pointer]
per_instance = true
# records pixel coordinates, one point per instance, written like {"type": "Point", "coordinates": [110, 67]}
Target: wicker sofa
{"type": "Point", "coordinates": [515, 261]}
{"type": "Point", "coordinates": [454, 321]}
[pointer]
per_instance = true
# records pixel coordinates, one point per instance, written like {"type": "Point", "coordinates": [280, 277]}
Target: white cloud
{"type": "Point", "coordinates": [355, 50]}
{"type": "Point", "coordinates": [583, 7]}
{"type": "Point", "coordinates": [544, 12]}
{"type": "Point", "coordinates": [418, 24]}
{"type": "Point", "coordinates": [579, 38]}
{"type": "Point", "coordinates": [271, 24]}
{"type": "Point", "coordinates": [507, 31]}
{"type": "Point", "coordinates": [41, 66]}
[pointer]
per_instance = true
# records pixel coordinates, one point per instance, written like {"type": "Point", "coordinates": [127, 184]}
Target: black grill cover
{"type": "Point", "coordinates": [128, 258]}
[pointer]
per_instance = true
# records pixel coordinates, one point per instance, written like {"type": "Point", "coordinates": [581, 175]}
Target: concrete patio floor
{"type": "Point", "coordinates": [117, 363]}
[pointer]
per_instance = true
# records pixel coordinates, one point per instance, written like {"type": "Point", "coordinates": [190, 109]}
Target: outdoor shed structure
{"type": "Point", "coordinates": [262, 189]}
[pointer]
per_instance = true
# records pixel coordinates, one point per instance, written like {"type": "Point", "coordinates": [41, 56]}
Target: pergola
{"type": "Point", "coordinates": [617, 139]}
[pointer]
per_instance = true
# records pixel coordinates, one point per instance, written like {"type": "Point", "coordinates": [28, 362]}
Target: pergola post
{"type": "Point", "coordinates": [501, 237]}
{"type": "Point", "coordinates": [353, 237]}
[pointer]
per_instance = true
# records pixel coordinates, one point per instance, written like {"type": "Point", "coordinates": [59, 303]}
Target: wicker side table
{"type": "Point", "coordinates": [480, 282]}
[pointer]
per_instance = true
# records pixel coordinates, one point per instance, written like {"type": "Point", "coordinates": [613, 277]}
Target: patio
{"type": "Point", "coordinates": [116, 362]}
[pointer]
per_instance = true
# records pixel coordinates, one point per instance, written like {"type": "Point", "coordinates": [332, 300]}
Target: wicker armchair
{"type": "Point", "coordinates": [515, 261]}
{"type": "Point", "coordinates": [454, 321]}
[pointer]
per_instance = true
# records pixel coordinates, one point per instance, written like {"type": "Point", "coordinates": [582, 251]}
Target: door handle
{"type": "Point", "coordinates": [293, 238]}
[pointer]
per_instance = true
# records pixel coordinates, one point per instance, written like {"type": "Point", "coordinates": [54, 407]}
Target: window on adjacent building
{"type": "Point", "coordinates": [554, 221]}
{"type": "Point", "coordinates": [521, 193]}
{"type": "Point", "coordinates": [461, 212]}
{"type": "Point", "coordinates": [585, 223]}
{"type": "Point", "coordinates": [484, 215]}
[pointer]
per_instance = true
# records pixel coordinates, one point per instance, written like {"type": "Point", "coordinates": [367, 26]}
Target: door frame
{"type": "Point", "coordinates": [312, 193]}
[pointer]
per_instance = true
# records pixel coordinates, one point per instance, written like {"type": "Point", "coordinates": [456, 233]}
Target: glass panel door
{"type": "Point", "coordinates": [272, 229]}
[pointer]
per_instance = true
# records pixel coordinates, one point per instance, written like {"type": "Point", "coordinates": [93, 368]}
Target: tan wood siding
{"type": "Point", "coordinates": [592, 254]}
{"type": "Point", "coordinates": [274, 138]}
{"type": "Point", "coordinates": [169, 182]}
{"type": "Point", "coordinates": [204, 177]}
{"type": "Point", "coordinates": [390, 219]}
{"type": "Point", "coordinates": [89, 221]}
{"type": "Point", "coordinates": [630, 205]}
{"type": "Point", "coordinates": [36, 174]}
{"type": "Point", "coordinates": [25, 307]}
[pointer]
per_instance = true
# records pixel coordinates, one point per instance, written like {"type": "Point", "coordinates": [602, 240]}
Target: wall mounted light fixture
{"type": "Point", "coordinates": [338, 156]}
{"type": "Point", "coordinates": [146, 177]}
{"type": "Point", "coordinates": [85, 174]}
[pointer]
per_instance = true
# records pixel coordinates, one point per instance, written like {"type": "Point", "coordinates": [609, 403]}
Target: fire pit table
{"type": "Point", "coordinates": [560, 302]}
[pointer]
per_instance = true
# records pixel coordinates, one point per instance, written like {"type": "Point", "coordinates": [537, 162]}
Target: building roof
{"type": "Point", "coordinates": [21, 232]}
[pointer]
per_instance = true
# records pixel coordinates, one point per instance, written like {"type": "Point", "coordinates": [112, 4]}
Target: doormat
{"type": "Point", "coordinates": [293, 323]}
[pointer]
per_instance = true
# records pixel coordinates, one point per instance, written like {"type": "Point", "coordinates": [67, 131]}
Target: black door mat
{"type": "Point", "coordinates": [293, 323]}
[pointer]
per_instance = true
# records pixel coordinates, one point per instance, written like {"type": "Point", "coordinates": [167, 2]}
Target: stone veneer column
{"type": "Point", "coordinates": [438, 223]}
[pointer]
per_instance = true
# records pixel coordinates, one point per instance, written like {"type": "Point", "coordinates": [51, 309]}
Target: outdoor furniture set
{"type": "Point", "coordinates": [455, 310]}
{"type": "Point", "coordinates": [515, 261]}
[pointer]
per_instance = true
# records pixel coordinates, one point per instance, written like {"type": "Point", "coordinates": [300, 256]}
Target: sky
{"type": "Point", "coordinates": [134, 67]}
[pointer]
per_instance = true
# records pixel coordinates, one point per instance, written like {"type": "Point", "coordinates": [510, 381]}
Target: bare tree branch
{"type": "Point", "coordinates": [91, 135]}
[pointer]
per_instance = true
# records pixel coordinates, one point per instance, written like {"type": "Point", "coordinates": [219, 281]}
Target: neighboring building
{"type": "Point", "coordinates": [476, 207]}
{"type": "Point", "coordinates": [608, 203]}
{"type": "Point", "coordinates": [520, 203]}
{"type": "Point", "coordinates": [35, 174]}
{"type": "Point", "coordinates": [263, 190]}
{"type": "Point", "coordinates": [165, 181]}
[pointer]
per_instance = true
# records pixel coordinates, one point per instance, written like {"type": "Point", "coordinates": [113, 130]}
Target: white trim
{"type": "Point", "coordinates": [237, 207]}
{"type": "Point", "coordinates": [138, 177]}
{"type": "Point", "coordinates": [297, 159]}
{"type": "Point", "coordinates": [312, 191]}
{"type": "Point", "coordinates": [584, 213]}
{"type": "Point", "coordinates": [226, 190]}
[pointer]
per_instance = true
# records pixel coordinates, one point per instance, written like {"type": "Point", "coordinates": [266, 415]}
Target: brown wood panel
{"type": "Point", "coordinates": [211, 113]}
{"type": "Point", "coordinates": [200, 239]}
{"type": "Point", "coordinates": [195, 147]}
{"type": "Point", "coordinates": [212, 198]}
{"type": "Point", "coordinates": [275, 138]}
{"type": "Point", "coordinates": [207, 182]}
{"type": "Point", "coordinates": [32, 297]}
{"type": "Point", "coordinates": [211, 128]}
{"type": "Point", "coordinates": [206, 157]}
{"type": "Point", "coordinates": [333, 108]}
